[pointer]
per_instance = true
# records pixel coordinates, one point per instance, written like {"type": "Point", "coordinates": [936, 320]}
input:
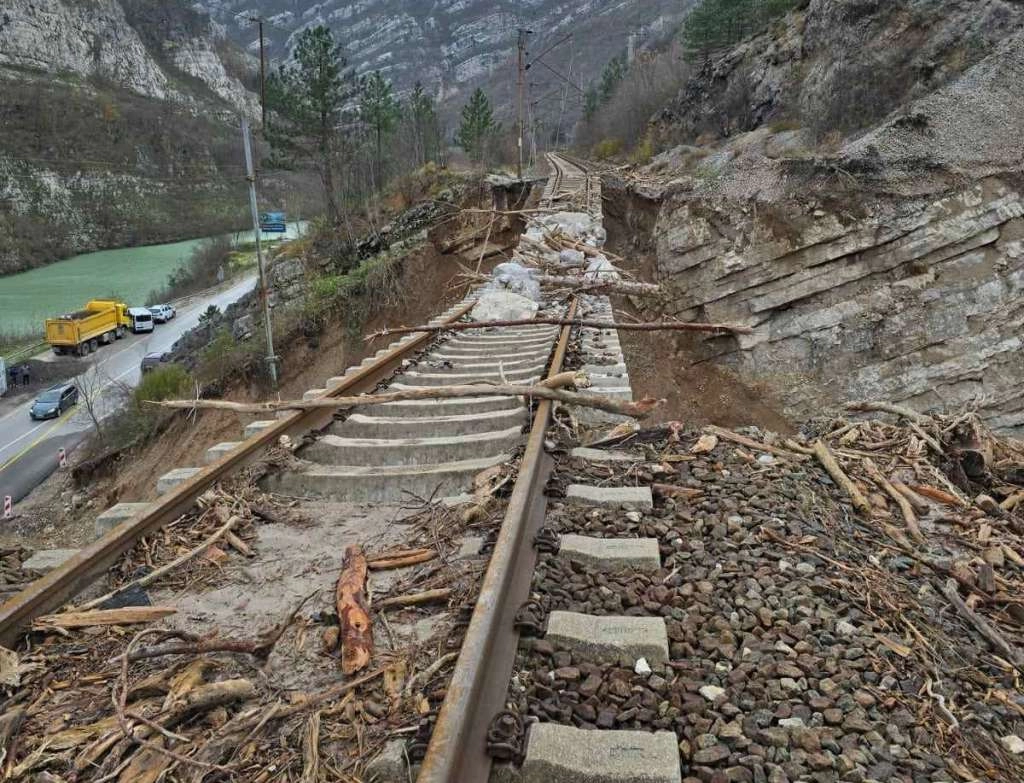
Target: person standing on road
{"type": "Point", "coordinates": [26, 375]}
{"type": "Point", "coordinates": [12, 375]}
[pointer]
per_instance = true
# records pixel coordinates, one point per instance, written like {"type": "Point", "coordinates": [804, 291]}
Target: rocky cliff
{"type": "Point", "coordinates": [456, 45]}
{"type": "Point", "coordinates": [119, 120]}
{"type": "Point", "coordinates": [885, 263]}
{"type": "Point", "coordinates": [143, 47]}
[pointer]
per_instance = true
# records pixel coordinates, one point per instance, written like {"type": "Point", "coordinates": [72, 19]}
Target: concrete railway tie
{"type": "Point", "coordinates": [556, 752]}
{"type": "Point", "coordinates": [427, 448]}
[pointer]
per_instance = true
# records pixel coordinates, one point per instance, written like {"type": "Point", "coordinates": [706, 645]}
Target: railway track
{"type": "Point", "coordinates": [474, 727]}
{"type": "Point", "coordinates": [384, 455]}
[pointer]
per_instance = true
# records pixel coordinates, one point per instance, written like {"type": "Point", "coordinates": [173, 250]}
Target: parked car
{"type": "Point", "coordinates": [141, 318]}
{"type": "Point", "coordinates": [153, 360]}
{"type": "Point", "coordinates": [162, 313]}
{"type": "Point", "coordinates": [52, 403]}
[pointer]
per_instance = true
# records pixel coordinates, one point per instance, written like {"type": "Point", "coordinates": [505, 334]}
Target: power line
{"type": "Point", "coordinates": [561, 76]}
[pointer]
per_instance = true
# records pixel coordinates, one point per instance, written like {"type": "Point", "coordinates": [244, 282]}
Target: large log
{"type": "Point", "coordinates": [356, 628]}
{"type": "Point", "coordinates": [614, 285]}
{"type": "Point", "coordinates": [637, 410]}
{"type": "Point", "coordinates": [654, 326]}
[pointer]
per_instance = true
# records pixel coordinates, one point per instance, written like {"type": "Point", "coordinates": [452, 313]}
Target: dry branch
{"type": "Point", "coordinates": [189, 644]}
{"type": "Point", "coordinates": [409, 557]}
{"type": "Point", "coordinates": [674, 491]}
{"type": "Point", "coordinates": [654, 326]}
{"type": "Point", "coordinates": [828, 461]}
{"type": "Point", "coordinates": [637, 410]}
{"type": "Point", "coordinates": [311, 750]}
{"type": "Point", "coordinates": [126, 616]}
{"type": "Point", "coordinates": [415, 599]}
{"type": "Point", "coordinates": [866, 406]}
{"type": "Point", "coordinates": [356, 629]}
{"type": "Point", "coordinates": [151, 577]}
{"type": "Point", "coordinates": [992, 636]}
{"type": "Point", "coordinates": [751, 444]}
{"type": "Point", "coordinates": [904, 505]}
{"type": "Point", "coordinates": [938, 495]}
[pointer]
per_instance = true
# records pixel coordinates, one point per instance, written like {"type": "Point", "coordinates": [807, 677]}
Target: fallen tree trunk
{"type": "Point", "coordinates": [637, 410]}
{"type": "Point", "coordinates": [656, 326]}
{"type": "Point", "coordinates": [615, 285]}
{"type": "Point", "coordinates": [356, 629]}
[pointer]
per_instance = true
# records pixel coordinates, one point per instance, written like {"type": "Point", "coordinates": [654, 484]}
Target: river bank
{"type": "Point", "coordinates": [127, 274]}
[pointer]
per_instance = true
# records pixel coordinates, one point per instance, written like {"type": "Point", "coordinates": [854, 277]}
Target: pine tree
{"type": "Point", "coordinates": [426, 130]}
{"type": "Point", "coordinates": [306, 99]}
{"type": "Point", "coordinates": [715, 24]}
{"type": "Point", "coordinates": [379, 109]}
{"type": "Point", "coordinates": [591, 103]}
{"type": "Point", "coordinates": [477, 125]}
{"type": "Point", "coordinates": [613, 74]}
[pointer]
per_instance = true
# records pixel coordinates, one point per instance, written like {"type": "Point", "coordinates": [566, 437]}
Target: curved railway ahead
{"type": "Point", "coordinates": [432, 449]}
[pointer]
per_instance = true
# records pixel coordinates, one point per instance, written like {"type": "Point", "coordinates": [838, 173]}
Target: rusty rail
{"type": "Point", "coordinates": [457, 752]}
{"type": "Point", "coordinates": [51, 591]}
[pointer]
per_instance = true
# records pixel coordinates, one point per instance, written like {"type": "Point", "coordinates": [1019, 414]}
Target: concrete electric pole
{"type": "Point", "coordinates": [264, 293]}
{"type": "Point", "coordinates": [521, 89]}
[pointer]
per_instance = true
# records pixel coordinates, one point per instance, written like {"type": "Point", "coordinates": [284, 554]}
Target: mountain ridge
{"type": "Point", "coordinates": [454, 46]}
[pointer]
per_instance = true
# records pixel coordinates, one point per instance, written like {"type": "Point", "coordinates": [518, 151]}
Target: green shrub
{"type": "Point", "coordinates": [607, 148]}
{"type": "Point", "coordinates": [644, 151]}
{"type": "Point", "coordinates": [163, 383]}
{"type": "Point", "coordinates": [784, 124]}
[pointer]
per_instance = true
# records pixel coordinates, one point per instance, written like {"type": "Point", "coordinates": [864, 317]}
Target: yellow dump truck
{"type": "Point", "coordinates": [82, 332]}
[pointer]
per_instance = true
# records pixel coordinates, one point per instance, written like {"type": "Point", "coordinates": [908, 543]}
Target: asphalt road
{"type": "Point", "coordinates": [29, 449]}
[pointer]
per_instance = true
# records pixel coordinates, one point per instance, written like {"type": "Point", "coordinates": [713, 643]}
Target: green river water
{"type": "Point", "coordinates": [127, 274]}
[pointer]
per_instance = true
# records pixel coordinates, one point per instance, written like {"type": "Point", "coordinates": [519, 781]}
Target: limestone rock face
{"type": "Point", "coordinates": [88, 39]}
{"type": "Point", "coordinates": [883, 262]}
{"type": "Point", "coordinates": [921, 303]}
{"type": "Point", "coordinates": [453, 46]}
{"type": "Point", "coordinates": [98, 40]}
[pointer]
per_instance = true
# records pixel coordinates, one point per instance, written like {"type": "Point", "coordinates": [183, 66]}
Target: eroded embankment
{"type": "Point", "coordinates": [672, 365]}
{"type": "Point", "coordinates": [913, 300]}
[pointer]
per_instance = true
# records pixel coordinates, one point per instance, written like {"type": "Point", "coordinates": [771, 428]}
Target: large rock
{"type": "Point", "coordinates": [515, 278]}
{"type": "Point", "coordinates": [503, 306]}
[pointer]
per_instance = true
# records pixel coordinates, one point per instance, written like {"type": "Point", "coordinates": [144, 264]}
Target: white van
{"type": "Point", "coordinates": [142, 319]}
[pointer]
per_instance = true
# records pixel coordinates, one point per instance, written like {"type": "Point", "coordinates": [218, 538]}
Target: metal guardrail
{"type": "Point", "coordinates": [25, 353]}
{"type": "Point", "coordinates": [64, 582]}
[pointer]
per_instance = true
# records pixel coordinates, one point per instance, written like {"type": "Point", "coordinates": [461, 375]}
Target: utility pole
{"type": "Point", "coordinates": [258, 20]}
{"type": "Point", "coordinates": [263, 77]}
{"type": "Point", "coordinates": [264, 295]}
{"type": "Point", "coordinates": [521, 88]}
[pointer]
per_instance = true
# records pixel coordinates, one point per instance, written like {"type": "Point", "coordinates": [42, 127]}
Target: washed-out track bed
{"type": "Point", "coordinates": [240, 559]}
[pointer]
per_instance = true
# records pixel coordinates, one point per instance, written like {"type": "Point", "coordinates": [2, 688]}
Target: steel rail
{"type": "Point", "coordinates": [457, 752]}
{"type": "Point", "coordinates": [64, 582]}
{"type": "Point", "coordinates": [574, 171]}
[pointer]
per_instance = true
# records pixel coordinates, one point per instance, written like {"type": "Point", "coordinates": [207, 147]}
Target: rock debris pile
{"type": "Point", "coordinates": [809, 640]}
